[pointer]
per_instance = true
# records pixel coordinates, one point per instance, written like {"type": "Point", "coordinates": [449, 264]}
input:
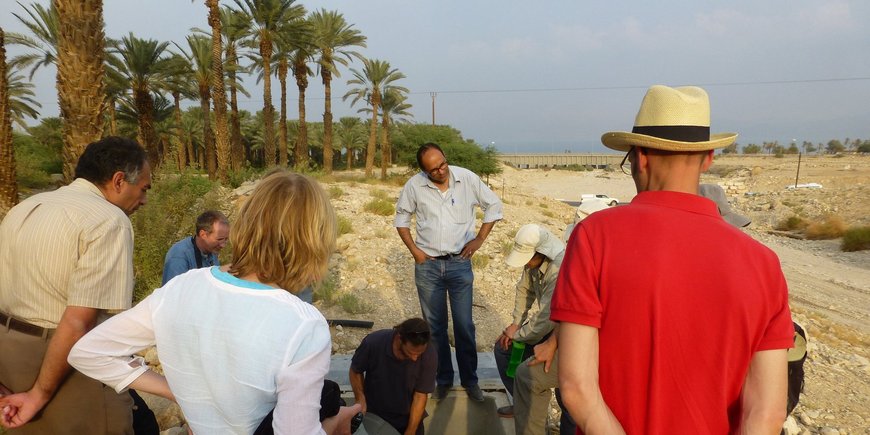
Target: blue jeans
{"type": "Point", "coordinates": [437, 280]}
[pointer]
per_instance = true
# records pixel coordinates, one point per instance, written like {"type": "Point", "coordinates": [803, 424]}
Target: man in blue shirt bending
{"type": "Point", "coordinates": [199, 250]}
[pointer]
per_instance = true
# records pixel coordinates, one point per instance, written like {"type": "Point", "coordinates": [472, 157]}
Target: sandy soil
{"type": "Point", "coordinates": [829, 289]}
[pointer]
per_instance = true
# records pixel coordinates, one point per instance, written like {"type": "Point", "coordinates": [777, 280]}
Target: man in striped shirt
{"type": "Point", "coordinates": [66, 257]}
{"type": "Point", "coordinates": [443, 199]}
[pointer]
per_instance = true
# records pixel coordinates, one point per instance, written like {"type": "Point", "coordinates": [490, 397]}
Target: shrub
{"type": "Point", "coordinates": [506, 247]}
{"type": "Point", "coordinates": [793, 223]}
{"type": "Point", "coordinates": [350, 303]}
{"type": "Point", "coordinates": [344, 225]}
{"type": "Point", "coordinates": [479, 261]}
{"type": "Point", "coordinates": [246, 173]}
{"type": "Point", "coordinates": [548, 213]}
{"type": "Point", "coordinates": [829, 228]}
{"type": "Point", "coordinates": [856, 239]}
{"type": "Point", "coordinates": [381, 207]}
{"type": "Point", "coordinates": [379, 194]}
{"type": "Point", "coordinates": [335, 192]}
{"type": "Point", "coordinates": [174, 202]}
{"type": "Point", "coordinates": [326, 291]}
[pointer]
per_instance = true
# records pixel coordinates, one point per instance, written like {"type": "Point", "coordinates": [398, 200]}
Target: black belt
{"type": "Point", "coordinates": [24, 327]}
{"type": "Point", "coordinates": [446, 256]}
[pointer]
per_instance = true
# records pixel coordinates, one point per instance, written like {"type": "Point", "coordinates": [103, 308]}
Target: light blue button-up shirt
{"type": "Point", "coordinates": [445, 223]}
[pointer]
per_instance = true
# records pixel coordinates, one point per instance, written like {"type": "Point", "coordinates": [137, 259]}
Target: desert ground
{"type": "Point", "coordinates": [829, 289]}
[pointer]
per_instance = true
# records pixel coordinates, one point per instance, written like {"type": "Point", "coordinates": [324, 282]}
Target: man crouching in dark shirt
{"type": "Point", "coordinates": [393, 371]}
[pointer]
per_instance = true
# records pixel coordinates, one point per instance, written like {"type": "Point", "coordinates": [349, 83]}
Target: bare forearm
{"type": "Point", "coordinates": [357, 383]}
{"type": "Point", "coordinates": [405, 235]}
{"type": "Point", "coordinates": [418, 405]}
{"type": "Point", "coordinates": [484, 231]}
{"type": "Point", "coordinates": [764, 394]}
{"type": "Point", "coordinates": [75, 323]}
{"type": "Point", "coordinates": [154, 383]}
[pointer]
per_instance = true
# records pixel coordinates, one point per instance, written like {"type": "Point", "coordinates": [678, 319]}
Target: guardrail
{"type": "Point", "coordinates": [531, 160]}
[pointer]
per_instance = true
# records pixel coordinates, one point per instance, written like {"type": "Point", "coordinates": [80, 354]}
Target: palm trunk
{"type": "Point", "coordinates": [113, 120]}
{"type": "Point", "coordinates": [80, 71]}
{"type": "Point", "coordinates": [327, 122]}
{"type": "Point", "coordinates": [301, 151]}
{"type": "Point", "coordinates": [268, 115]}
{"type": "Point", "coordinates": [180, 149]}
{"type": "Point", "coordinates": [349, 156]}
{"type": "Point", "coordinates": [373, 129]}
{"type": "Point", "coordinates": [282, 123]}
{"type": "Point", "coordinates": [8, 184]}
{"type": "Point", "coordinates": [237, 150]}
{"type": "Point", "coordinates": [385, 145]}
{"type": "Point", "coordinates": [147, 137]}
{"type": "Point", "coordinates": [207, 137]}
{"type": "Point", "coordinates": [218, 95]}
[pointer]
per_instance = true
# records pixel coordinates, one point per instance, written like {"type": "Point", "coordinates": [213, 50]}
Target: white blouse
{"type": "Point", "coordinates": [231, 350]}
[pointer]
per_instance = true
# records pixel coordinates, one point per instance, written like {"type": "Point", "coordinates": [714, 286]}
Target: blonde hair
{"type": "Point", "coordinates": [285, 232]}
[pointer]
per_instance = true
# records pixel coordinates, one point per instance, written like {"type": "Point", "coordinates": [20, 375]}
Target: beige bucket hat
{"type": "Point", "coordinates": [671, 119]}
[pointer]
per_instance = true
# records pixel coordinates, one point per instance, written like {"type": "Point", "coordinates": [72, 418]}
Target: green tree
{"type": "Point", "coordinates": [22, 102]}
{"type": "Point", "coordinates": [304, 49]}
{"type": "Point", "coordinates": [351, 135]}
{"type": "Point", "coordinates": [147, 68]}
{"type": "Point", "coordinates": [730, 149]}
{"type": "Point", "coordinates": [267, 17]}
{"type": "Point", "coordinates": [234, 24]}
{"type": "Point", "coordinates": [751, 149]}
{"type": "Point", "coordinates": [8, 183]}
{"type": "Point", "coordinates": [43, 24]}
{"type": "Point", "coordinates": [218, 94]}
{"type": "Point", "coordinates": [834, 146]}
{"type": "Point", "coordinates": [334, 39]}
{"type": "Point", "coordinates": [393, 108]}
{"type": "Point", "coordinates": [198, 61]}
{"type": "Point", "coordinates": [375, 79]}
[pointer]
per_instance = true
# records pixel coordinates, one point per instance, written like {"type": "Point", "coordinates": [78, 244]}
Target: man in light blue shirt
{"type": "Point", "coordinates": [443, 199]}
{"type": "Point", "coordinates": [199, 250]}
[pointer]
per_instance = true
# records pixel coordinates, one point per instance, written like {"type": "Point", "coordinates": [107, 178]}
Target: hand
{"type": "Point", "coordinates": [18, 409]}
{"type": "Point", "coordinates": [544, 353]}
{"type": "Point", "coordinates": [471, 247]}
{"type": "Point", "coordinates": [420, 257]}
{"type": "Point", "coordinates": [4, 391]}
{"type": "Point", "coordinates": [339, 424]}
{"type": "Point", "coordinates": [507, 336]}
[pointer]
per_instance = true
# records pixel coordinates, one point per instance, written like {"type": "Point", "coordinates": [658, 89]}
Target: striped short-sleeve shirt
{"type": "Point", "coordinates": [68, 247]}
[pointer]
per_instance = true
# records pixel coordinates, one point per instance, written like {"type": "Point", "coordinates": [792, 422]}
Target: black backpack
{"type": "Point", "coordinates": [796, 357]}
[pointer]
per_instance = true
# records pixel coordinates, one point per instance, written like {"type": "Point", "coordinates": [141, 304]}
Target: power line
{"type": "Point", "coordinates": [610, 88]}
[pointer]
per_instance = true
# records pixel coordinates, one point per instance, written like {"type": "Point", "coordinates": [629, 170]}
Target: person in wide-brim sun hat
{"type": "Point", "coordinates": [671, 119]}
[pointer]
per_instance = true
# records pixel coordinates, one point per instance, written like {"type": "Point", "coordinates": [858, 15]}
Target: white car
{"type": "Point", "coordinates": [590, 197]}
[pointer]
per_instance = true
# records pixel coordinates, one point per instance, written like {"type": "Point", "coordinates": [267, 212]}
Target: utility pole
{"type": "Point", "coordinates": [433, 95]}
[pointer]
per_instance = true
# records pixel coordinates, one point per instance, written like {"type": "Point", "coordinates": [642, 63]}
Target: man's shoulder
{"type": "Point", "coordinates": [461, 173]}
{"type": "Point", "coordinates": [180, 248]}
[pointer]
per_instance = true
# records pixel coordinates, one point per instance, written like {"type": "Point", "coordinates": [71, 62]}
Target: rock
{"type": "Point", "coordinates": [359, 285]}
{"type": "Point", "coordinates": [151, 356]}
{"type": "Point", "coordinates": [790, 426]}
{"type": "Point", "coordinates": [178, 430]}
{"type": "Point", "coordinates": [829, 431]}
{"type": "Point", "coordinates": [805, 419]}
{"type": "Point", "coordinates": [167, 412]}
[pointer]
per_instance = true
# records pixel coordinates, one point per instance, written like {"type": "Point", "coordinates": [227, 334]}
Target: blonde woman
{"type": "Point", "coordinates": [234, 341]}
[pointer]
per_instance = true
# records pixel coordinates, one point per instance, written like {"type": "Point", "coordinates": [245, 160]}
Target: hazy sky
{"type": "Point", "coordinates": [554, 75]}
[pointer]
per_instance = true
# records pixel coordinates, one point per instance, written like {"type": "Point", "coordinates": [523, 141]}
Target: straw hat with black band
{"type": "Point", "coordinates": [671, 119]}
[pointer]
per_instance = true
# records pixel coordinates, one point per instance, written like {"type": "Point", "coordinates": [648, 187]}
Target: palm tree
{"type": "Point", "coordinates": [375, 80]}
{"type": "Point", "coordinates": [145, 66]}
{"type": "Point", "coordinates": [218, 94]}
{"type": "Point", "coordinates": [267, 17]}
{"type": "Point", "coordinates": [199, 61]}
{"type": "Point", "coordinates": [8, 185]}
{"type": "Point", "coordinates": [181, 85]}
{"type": "Point", "coordinates": [80, 73]}
{"type": "Point", "coordinates": [333, 37]}
{"type": "Point", "coordinates": [301, 71]}
{"type": "Point", "coordinates": [43, 24]}
{"type": "Point", "coordinates": [21, 98]}
{"type": "Point", "coordinates": [234, 24]}
{"type": "Point", "coordinates": [351, 135]}
{"type": "Point", "coordinates": [393, 108]}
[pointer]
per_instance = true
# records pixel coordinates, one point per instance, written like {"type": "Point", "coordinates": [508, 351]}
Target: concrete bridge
{"type": "Point", "coordinates": [588, 160]}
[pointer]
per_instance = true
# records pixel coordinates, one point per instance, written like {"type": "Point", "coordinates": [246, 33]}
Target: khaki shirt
{"type": "Point", "coordinates": [68, 247]}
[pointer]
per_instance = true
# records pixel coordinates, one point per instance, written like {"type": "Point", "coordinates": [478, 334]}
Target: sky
{"type": "Point", "coordinates": [552, 76]}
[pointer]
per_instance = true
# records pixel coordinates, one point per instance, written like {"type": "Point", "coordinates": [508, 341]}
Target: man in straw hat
{"type": "Point", "coordinates": [649, 290]}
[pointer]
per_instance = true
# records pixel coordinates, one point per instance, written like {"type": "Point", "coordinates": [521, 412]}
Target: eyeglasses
{"type": "Point", "coordinates": [437, 169]}
{"type": "Point", "coordinates": [625, 165]}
